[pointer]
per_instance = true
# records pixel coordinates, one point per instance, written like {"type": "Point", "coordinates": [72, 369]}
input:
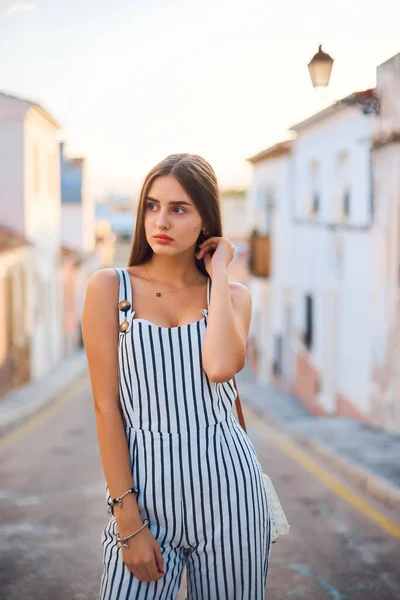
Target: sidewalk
{"type": "Point", "coordinates": [369, 457]}
{"type": "Point", "coordinates": [18, 405]}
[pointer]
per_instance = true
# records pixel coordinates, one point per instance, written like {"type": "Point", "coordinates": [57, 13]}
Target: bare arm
{"type": "Point", "coordinates": [100, 330]}
{"type": "Point", "coordinates": [100, 334]}
{"type": "Point", "coordinates": [224, 347]}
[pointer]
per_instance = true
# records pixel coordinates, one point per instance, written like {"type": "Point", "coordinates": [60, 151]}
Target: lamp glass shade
{"type": "Point", "coordinates": [320, 68]}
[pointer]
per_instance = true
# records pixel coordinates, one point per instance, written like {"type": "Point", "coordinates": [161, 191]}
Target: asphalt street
{"type": "Point", "coordinates": [53, 512]}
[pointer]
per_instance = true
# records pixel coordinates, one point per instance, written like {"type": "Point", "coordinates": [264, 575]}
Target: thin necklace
{"type": "Point", "coordinates": [158, 294]}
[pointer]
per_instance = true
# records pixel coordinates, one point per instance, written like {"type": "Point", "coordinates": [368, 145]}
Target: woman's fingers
{"type": "Point", "coordinates": [152, 571]}
{"type": "Point", "coordinates": [204, 249]}
{"type": "Point", "coordinates": [142, 574]}
{"type": "Point", "coordinates": [159, 559]}
{"type": "Point", "coordinates": [149, 574]}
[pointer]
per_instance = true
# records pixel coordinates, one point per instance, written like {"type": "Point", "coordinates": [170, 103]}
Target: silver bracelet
{"type": "Point", "coordinates": [123, 540]}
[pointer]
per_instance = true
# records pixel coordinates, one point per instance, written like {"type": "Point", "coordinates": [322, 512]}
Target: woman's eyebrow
{"type": "Point", "coordinates": [170, 203]}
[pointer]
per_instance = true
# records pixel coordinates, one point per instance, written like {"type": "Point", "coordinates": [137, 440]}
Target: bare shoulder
{"type": "Point", "coordinates": [104, 279]}
{"type": "Point", "coordinates": [101, 293]}
{"type": "Point", "coordinates": [240, 293]}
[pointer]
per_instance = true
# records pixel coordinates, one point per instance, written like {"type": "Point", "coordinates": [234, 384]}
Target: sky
{"type": "Point", "coordinates": [132, 81]}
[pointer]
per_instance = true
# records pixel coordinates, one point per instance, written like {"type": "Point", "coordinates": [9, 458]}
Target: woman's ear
{"type": "Point", "coordinates": [200, 239]}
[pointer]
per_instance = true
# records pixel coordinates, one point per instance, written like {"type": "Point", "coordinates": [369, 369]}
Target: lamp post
{"type": "Point", "coordinates": [320, 67]}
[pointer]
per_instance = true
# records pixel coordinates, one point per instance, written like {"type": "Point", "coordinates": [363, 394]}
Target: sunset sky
{"type": "Point", "coordinates": [132, 81]}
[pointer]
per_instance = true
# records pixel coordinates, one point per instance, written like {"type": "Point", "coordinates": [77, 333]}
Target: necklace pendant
{"type": "Point", "coordinates": [158, 294]}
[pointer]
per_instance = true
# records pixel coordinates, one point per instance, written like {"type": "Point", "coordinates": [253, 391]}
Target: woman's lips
{"type": "Point", "coordinates": [163, 240]}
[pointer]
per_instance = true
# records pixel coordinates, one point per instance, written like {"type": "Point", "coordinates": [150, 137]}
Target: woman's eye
{"type": "Point", "coordinates": [150, 204]}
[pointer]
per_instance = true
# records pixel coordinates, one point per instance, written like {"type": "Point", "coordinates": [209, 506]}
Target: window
{"type": "Point", "coordinates": [346, 203]}
{"type": "Point", "coordinates": [269, 207]}
{"type": "Point", "coordinates": [314, 204]}
{"type": "Point", "coordinates": [309, 331]}
{"type": "Point", "coordinates": [342, 200]}
{"type": "Point", "coordinates": [277, 364]}
{"type": "Point", "coordinates": [263, 211]}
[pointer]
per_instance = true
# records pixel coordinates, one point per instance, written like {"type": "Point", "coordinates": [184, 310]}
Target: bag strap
{"type": "Point", "coordinates": [239, 407]}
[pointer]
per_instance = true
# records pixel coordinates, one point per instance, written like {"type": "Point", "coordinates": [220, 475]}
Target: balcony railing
{"type": "Point", "coordinates": [260, 255]}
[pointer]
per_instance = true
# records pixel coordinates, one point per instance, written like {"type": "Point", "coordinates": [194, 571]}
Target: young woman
{"type": "Point", "coordinates": [184, 484]}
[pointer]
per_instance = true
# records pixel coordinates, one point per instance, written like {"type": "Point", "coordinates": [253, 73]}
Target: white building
{"type": "Point", "coordinates": [313, 319]}
{"type": "Point", "coordinates": [269, 213]}
{"type": "Point", "coordinates": [30, 205]}
{"type": "Point", "coordinates": [325, 274]}
{"type": "Point", "coordinates": [385, 393]}
{"type": "Point", "coordinates": [332, 262]}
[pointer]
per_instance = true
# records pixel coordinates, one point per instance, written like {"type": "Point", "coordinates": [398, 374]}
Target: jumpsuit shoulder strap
{"type": "Point", "coordinates": [125, 290]}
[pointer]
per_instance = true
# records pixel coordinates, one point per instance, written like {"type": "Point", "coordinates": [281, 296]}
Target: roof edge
{"type": "Point", "coordinates": [279, 149]}
{"type": "Point", "coordinates": [34, 105]}
{"type": "Point", "coordinates": [331, 109]}
{"type": "Point", "coordinates": [47, 116]}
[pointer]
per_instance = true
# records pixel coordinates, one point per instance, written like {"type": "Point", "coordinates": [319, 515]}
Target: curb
{"type": "Point", "coordinates": [19, 405]}
{"type": "Point", "coordinates": [376, 487]}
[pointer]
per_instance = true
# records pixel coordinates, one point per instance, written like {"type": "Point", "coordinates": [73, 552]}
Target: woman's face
{"type": "Point", "coordinates": [169, 210]}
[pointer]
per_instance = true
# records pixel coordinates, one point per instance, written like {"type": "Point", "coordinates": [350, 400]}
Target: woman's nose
{"type": "Point", "coordinates": [162, 219]}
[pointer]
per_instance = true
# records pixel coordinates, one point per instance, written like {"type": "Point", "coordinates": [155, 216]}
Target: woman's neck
{"type": "Point", "coordinates": [161, 269]}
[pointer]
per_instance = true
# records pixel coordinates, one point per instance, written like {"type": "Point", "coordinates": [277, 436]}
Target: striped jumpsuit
{"type": "Point", "coordinates": [199, 479]}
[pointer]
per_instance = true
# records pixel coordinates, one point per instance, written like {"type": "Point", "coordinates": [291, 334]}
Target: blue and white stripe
{"type": "Point", "coordinates": [199, 478]}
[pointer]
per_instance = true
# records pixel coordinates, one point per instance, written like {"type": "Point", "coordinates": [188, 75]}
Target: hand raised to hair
{"type": "Point", "coordinates": [222, 250]}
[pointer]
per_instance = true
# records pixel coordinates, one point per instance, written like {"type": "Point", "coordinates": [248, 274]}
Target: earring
{"type": "Point", "coordinates": [205, 231]}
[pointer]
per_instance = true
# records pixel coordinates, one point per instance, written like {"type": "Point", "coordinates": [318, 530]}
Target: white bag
{"type": "Point", "coordinates": [279, 523]}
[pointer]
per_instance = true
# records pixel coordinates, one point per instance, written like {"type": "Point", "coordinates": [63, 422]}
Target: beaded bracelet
{"type": "Point", "coordinates": [119, 500]}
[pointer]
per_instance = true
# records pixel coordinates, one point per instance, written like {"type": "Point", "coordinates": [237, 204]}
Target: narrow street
{"type": "Point", "coordinates": [53, 511]}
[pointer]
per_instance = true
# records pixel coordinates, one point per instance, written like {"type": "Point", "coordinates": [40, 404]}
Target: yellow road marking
{"type": "Point", "coordinates": [40, 416]}
{"type": "Point", "coordinates": [327, 479]}
{"type": "Point", "coordinates": [276, 438]}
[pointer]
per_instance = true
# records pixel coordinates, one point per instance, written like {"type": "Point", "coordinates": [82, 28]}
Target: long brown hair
{"type": "Point", "coordinates": [199, 181]}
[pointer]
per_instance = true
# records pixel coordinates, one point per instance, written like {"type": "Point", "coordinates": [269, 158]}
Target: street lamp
{"type": "Point", "coordinates": [320, 67]}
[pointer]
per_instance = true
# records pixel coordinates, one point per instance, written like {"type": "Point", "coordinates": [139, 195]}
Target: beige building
{"type": "Point", "coordinates": [16, 256]}
{"type": "Point", "coordinates": [30, 205]}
